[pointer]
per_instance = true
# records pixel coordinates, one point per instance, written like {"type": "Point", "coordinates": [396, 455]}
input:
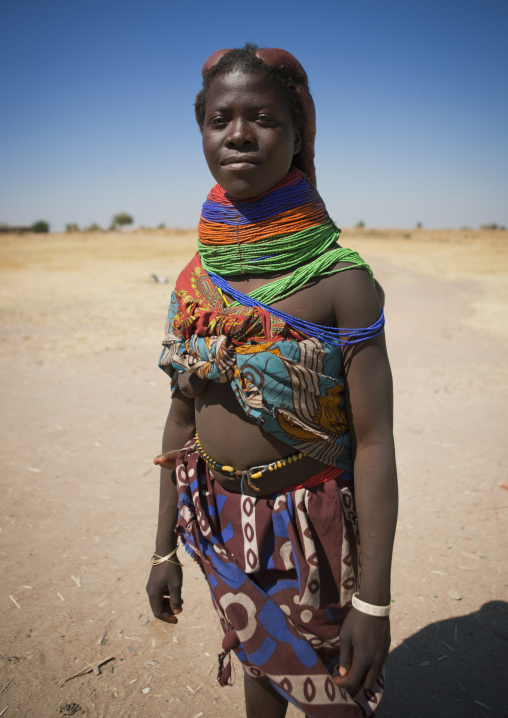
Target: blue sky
{"type": "Point", "coordinates": [97, 96]}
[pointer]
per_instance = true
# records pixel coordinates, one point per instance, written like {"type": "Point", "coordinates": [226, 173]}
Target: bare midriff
{"type": "Point", "coordinates": [231, 438]}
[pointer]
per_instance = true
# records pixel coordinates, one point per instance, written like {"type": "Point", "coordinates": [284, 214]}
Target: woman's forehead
{"type": "Point", "coordinates": [245, 86]}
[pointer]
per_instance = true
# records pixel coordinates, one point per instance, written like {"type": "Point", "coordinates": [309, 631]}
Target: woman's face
{"type": "Point", "coordinates": [248, 134]}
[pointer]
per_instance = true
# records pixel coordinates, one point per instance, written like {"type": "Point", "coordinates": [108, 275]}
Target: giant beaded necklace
{"type": "Point", "coordinates": [287, 228]}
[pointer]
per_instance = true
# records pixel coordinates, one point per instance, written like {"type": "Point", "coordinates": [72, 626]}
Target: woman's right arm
{"type": "Point", "coordinates": [166, 578]}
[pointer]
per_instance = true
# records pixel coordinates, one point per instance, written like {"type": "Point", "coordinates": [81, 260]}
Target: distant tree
{"type": "Point", "coordinates": [419, 225]}
{"type": "Point", "coordinates": [490, 226]}
{"type": "Point", "coordinates": [161, 226]}
{"type": "Point", "coordinates": [121, 219]}
{"type": "Point", "coordinates": [73, 227]}
{"type": "Point", "coordinates": [360, 224]}
{"type": "Point", "coordinates": [40, 226]}
{"type": "Point", "coordinates": [94, 227]}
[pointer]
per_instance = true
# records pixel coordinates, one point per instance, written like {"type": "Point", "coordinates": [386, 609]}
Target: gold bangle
{"type": "Point", "coordinates": [156, 559]}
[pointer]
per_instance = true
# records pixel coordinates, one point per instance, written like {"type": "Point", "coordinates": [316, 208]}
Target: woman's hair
{"type": "Point", "coordinates": [245, 60]}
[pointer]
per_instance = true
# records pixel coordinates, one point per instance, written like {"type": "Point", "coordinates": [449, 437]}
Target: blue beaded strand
{"type": "Point", "coordinates": [329, 335]}
{"type": "Point", "coordinates": [244, 212]}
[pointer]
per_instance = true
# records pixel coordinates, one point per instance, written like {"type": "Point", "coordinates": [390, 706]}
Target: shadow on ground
{"type": "Point", "coordinates": [457, 668]}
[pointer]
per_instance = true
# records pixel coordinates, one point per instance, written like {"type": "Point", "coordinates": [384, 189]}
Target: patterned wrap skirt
{"type": "Point", "coordinates": [282, 570]}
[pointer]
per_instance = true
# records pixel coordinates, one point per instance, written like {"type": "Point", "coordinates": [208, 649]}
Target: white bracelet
{"type": "Point", "coordinates": [369, 608]}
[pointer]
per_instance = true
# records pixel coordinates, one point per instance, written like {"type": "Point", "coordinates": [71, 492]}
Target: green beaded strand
{"type": "Point", "coordinates": [311, 251]}
{"type": "Point", "coordinates": [276, 254]}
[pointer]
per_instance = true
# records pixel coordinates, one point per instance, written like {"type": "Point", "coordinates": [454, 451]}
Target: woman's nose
{"type": "Point", "coordinates": [240, 133]}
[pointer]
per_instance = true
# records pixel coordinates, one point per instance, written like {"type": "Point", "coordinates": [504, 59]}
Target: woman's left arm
{"type": "Point", "coordinates": [365, 639]}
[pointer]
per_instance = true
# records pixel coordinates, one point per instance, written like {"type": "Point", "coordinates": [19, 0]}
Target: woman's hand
{"type": "Point", "coordinates": [364, 645]}
{"type": "Point", "coordinates": [167, 460]}
{"type": "Point", "coordinates": [164, 590]}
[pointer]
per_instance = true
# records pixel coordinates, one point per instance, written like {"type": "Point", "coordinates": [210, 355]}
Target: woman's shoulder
{"type": "Point", "coordinates": [355, 295]}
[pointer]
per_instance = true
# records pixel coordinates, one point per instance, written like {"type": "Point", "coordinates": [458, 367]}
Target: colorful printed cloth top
{"type": "Point", "coordinates": [291, 384]}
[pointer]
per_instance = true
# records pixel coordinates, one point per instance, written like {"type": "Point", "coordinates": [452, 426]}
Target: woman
{"type": "Point", "coordinates": [281, 419]}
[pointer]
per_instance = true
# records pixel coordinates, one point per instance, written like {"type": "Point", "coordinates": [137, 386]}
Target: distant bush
{"type": "Point", "coordinates": [419, 225]}
{"type": "Point", "coordinates": [40, 227]}
{"type": "Point", "coordinates": [121, 219]}
{"type": "Point", "coordinates": [94, 227]}
{"type": "Point", "coordinates": [360, 224]}
{"type": "Point", "coordinates": [18, 229]}
{"type": "Point", "coordinates": [161, 226]}
{"type": "Point", "coordinates": [71, 227]}
{"type": "Point", "coordinates": [492, 226]}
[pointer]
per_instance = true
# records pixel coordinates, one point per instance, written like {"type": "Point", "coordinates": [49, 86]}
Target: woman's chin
{"type": "Point", "coordinates": [240, 186]}
{"type": "Point", "coordinates": [245, 181]}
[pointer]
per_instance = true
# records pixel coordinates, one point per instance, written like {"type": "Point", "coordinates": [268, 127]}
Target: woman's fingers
{"type": "Point", "coordinates": [346, 654]}
{"type": "Point", "coordinates": [370, 679]}
{"type": "Point", "coordinates": [353, 680]}
{"type": "Point", "coordinates": [364, 643]}
{"type": "Point", "coordinates": [175, 588]}
{"type": "Point", "coordinates": [161, 607]}
{"type": "Point", "coordinates": [164, 590]}
{"type": "Point", "coordinates": [175, 600]}
{"type": "Point", "coordinates": [167, 460]}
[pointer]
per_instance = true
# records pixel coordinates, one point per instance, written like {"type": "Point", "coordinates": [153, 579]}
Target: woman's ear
{"type": "Point", "coordinates": [298, 142]}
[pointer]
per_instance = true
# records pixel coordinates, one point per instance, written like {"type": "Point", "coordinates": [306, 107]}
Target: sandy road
{"type": "Point", "coordinates": [83, 405]}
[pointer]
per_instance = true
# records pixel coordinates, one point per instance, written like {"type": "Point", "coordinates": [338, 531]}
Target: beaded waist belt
{"type": "Point", "coordinates": [248, 475]}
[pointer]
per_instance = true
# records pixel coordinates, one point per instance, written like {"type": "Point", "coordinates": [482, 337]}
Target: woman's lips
{"type": "Point", "coordinates": [240, 163]}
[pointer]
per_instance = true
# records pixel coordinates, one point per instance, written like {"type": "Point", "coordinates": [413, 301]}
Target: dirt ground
{"type": "Point", "coordinates": [82, 411]}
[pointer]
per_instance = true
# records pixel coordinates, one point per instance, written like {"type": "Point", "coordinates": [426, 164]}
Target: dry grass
{"type": "Point", "coordinates": [93, 292]}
